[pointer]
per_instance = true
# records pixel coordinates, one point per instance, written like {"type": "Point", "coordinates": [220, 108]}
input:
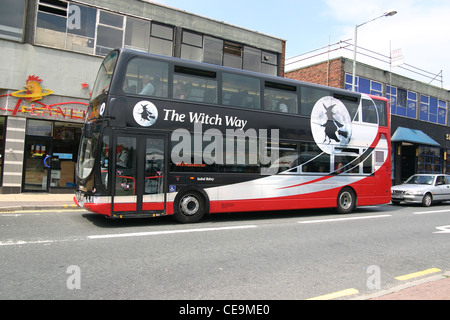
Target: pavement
{"type": "Point", "coordinates": [436, 287]}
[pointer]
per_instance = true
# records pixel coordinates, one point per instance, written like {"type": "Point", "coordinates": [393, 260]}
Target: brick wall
{"type": "Point", "coordinates": [327, 73]}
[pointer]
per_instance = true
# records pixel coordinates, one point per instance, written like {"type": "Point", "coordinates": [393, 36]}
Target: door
{"type": "Point", "coordinates": [38, 164]}
{"type": "Point", "coordinates": [408, 162]}
{"type": "Point", "coordinates": [442, 192]}
{"type": "Point", "coordinates": [139, 180]}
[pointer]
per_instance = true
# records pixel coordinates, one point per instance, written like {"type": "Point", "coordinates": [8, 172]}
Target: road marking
{"type": "Point", "coordinates": [154, 233]}
{"type": "Point", "coordinates": [417, 274]}
{"type": "Point", "coordinates": [22, 242]}
{"type": "Point", "coordinates": [122, 235]}
{"type": "Point", "coordinates": [336, 295]}
{"type": "Point", "coordinates": [426, 212]}
{"type": "Point", "coordinates": [37, 212]}
{"type": "Point", "coordinates": [345, 219]}
{"type": "Point", "coordinates": [444, 229]}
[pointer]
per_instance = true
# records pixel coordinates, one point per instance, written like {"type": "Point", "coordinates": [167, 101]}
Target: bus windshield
{"type": "Point", "coordinates": [87, 154]}
{"type": "Point", "coordinates": [104, 75]}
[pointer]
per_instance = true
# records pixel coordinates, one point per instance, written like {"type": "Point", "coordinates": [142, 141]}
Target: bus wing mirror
{"type": "Point", "coordinates": [89, 130]}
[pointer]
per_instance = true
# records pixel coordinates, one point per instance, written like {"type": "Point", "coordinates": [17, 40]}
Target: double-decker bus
{"type": "Point", "coordinates": [165, 136]}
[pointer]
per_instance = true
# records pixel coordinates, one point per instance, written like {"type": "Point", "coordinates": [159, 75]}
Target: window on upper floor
{"type": "Point", "coordinates": [12, 19]}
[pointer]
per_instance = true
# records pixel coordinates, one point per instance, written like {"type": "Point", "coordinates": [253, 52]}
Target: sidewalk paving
{"type": "Point", "coordinates": [436, 287]}
{"type": "Point", "coordinates": [431, 288]}
{"type": "Point", "coordinates": [36, 201]}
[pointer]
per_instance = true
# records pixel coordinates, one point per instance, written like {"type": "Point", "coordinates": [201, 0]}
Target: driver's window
{"type": "Point", "coordinates": [440, 181]}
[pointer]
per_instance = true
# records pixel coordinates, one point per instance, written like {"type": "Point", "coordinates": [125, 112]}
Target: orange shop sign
{"type": "Point", "coordinates": [28, 103]}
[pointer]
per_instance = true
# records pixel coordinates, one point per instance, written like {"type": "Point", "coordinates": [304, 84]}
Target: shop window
{"type": "Point", "coordinates": [109, 33]}
{"type": "Point", "coordinates": [269, 63]}
{"type": "Point", "coordinates": [161, 40]}
{"type": "Point", "coordinates": [429, 160]}
{"type": "Point", "coordinates": [66, 137]}
{"type": "Point", "coordinates": [424, 107]}
{"type": "Point", "coordinates": [411, 112]}
{"type": "Point", "coordinates": [51, 23]}
{"type": "Point", "coordinates": [192, 46]}
{"type": "Point", "coordinates": [12, 19]}
{"type": "Point", "coordinates": [232, 55]}
{"type": "Point", "coordinates": [67, 26]}
{"type": "Point", "coordinates": [252, 59]}
{"type": "Point", "coordinates": [81, 28]}
{"type": "Point", "coordinates": [442, 112]}
{"type": "Point", "coordinates": [137, 34]}
{"type": "Point", "coordinates": [213, 50]}
{"type": "Point", "coordinates": [39, 128]}
{"type": "Point", "coordinates": [433, 114]}
{"type": "Point", "coordinates": [376, 88]}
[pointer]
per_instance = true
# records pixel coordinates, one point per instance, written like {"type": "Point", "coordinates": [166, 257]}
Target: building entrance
{"type": "Point", "coordinates": [51, 149]}
{"type": "Point", "coordinates": [408, 161]}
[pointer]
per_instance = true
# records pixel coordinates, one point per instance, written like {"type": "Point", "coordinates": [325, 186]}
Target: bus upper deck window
{"type": "Point", "coordinates": [147, 77]}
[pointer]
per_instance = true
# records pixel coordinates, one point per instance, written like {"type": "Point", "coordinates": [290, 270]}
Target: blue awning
{"type": "Point", "coordinates": [413, 136]}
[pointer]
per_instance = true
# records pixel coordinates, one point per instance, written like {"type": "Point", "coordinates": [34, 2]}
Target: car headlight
{"type": "Point", "coordinates": [414, 193]}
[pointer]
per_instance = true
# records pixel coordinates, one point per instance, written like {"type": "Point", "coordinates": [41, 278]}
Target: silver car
{"type": "Point", "coordinates": [423, 188]}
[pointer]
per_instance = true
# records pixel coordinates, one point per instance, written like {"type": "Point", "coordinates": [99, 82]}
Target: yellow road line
{"type": "Point", "coordinates": [418, 274]}
{"type": "Point", "coordinates": [335, 295]}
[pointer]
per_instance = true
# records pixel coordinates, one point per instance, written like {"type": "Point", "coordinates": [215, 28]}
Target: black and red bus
{"type": "Point", "coordinates": [165, 136]}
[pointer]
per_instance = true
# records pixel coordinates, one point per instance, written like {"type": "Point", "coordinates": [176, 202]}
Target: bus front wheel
{"type": "Point", "coordinates": [346, 201]}
{"type": "Point", "coordinates": [189, 207]}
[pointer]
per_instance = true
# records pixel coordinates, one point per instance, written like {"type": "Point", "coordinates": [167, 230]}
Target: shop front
{"type": "Point", "coordinates": [415, 152]}
{"type": "Point", "coordinates": [40, 134]}
{"type": "Point", "coordinates": [50, 154]}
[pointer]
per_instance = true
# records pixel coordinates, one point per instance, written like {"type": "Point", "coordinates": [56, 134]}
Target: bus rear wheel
{"type": "Point", "coordinates": [189, 207]}
{"type": "Point", "coordinates": [346, 201]}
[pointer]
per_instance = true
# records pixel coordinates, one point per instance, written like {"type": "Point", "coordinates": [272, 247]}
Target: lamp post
{"type": "Point", "coordinates": [386, 14]}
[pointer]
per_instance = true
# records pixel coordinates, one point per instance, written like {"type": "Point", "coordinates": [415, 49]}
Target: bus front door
{"type": "Point", "coordinates": [139, 180]}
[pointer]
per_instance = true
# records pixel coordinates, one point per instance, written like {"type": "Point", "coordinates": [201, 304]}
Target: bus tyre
{"type": "Point", "coordinates": [346, 201]}
{"type": "Point", "coordinates": [189, 207]}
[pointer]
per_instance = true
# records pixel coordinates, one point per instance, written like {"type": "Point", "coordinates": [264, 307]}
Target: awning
{"type": "Point", "coordinates": [413, 136]}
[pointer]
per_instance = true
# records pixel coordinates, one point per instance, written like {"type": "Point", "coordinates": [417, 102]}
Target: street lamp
{"type": "Point", "coordinates": [386, 14]}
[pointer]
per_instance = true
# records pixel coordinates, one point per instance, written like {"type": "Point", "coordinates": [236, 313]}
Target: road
{"type": "Point", "coordinates": [73, 254]}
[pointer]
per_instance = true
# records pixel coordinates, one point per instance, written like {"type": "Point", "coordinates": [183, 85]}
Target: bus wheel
{"type": "Point", "coordinates": [189, 207]}
{"type": "Point", "coordinates": [346, 201]}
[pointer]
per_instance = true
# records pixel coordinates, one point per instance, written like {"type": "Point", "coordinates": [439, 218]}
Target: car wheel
{"type": "Point", "coordinates": [427, 200]}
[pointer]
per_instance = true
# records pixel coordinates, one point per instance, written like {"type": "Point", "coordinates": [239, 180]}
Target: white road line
{"type": "Point", "coordinates": [121, 235]}
{"type": "Point", "coordinates": [436, 211]}
{"type": "Point", "coordinates": [154, 233]}
{"type": "Point", "coordinates": [344, 219]}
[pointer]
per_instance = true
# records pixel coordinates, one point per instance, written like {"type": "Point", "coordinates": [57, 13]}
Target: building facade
{"type": "Point", "coordinates": [50, 54]}
{"type": "Point", "coordinates": [420, 113]}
